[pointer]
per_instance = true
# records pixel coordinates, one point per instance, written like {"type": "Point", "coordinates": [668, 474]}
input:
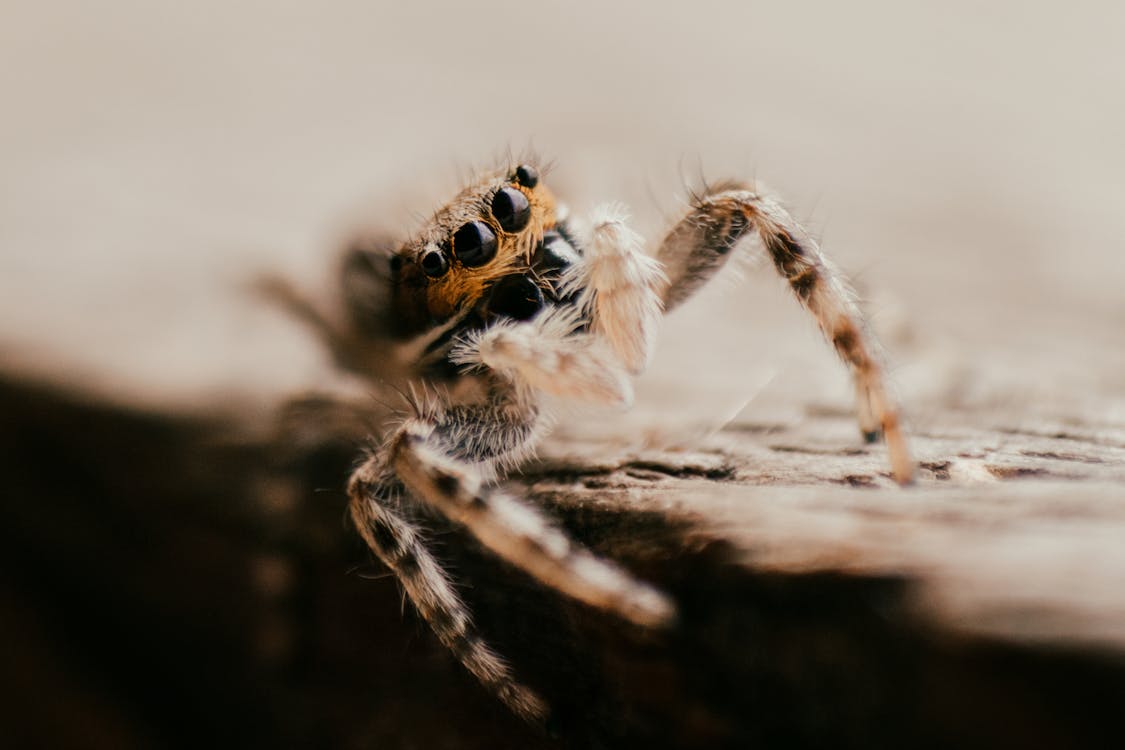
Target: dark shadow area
{"type": "Point", "coordinates": [171, 582]}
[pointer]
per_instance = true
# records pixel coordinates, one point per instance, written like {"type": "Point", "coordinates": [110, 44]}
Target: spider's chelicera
{"type": "Point", "coordinates": [499, 300]}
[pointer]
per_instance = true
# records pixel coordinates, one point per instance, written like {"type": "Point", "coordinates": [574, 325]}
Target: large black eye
{"type": "Point", "coordinates": [434, 263]}
{"type": "Point", "coordinates": [516, 297]}
{"type": "Point", "coordinates": [474, 244]}
{"type": "Point", "coordinates": [511, 209]}
{"type": "Point", "coordinates": [527, 175]}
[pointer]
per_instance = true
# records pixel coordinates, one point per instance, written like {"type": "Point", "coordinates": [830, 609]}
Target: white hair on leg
{"type": "Point", "coordinates": [620, 287]}
{"type": "Point", "coordinates": [548, 354]}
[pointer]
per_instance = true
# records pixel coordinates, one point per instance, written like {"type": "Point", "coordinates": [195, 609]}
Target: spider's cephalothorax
{"type": "Point", "coordinates": [497, 301]}
{"type": "Point", "coordinates": [497, 252]}
{"type": "Point", "coordinates": [484, 239]}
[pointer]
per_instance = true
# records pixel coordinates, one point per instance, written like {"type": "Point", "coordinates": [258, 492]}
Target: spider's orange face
{"type": "Point", "coordinates": [487, 232]}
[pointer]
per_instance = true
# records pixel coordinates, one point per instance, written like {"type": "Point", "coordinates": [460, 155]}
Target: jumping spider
{"type": "Point", "coordinates": [497, 300]}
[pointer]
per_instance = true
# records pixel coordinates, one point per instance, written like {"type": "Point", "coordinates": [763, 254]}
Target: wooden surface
{"type": "Point", "coordinates": [159, 562]}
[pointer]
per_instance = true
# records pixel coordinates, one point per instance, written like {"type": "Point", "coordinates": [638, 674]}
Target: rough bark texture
{"type": "Point", "coordinates": [176, 581]}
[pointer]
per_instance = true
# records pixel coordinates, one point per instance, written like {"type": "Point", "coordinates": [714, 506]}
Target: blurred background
{"type": "Point", "coordinates": [963, 161]}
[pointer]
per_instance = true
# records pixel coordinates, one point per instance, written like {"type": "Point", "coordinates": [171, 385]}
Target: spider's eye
{"type": "Point", "coordinates": [474, 244]}
{"type": "Point", "coordinates": [527, 175]}
{"type": "Point", "coordinates": [511, 209]}
{"type": "Point", "coordinates": [434, 264]}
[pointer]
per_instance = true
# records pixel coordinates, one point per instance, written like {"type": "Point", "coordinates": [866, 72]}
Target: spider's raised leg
{"type": "Point", "coordinates": [702, 242]}
{"type": "Point", "coordinates": [439, 457]}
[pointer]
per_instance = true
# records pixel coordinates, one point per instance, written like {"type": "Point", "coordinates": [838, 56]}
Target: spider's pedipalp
{"type": "Point", "coordinates": [545, 354]}
{"type": "Point", "coordinates": [619, 287]}
{"type": "Point", "coordinates": [703, 241]}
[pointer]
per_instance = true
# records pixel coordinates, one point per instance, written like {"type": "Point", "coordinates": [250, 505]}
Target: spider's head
{"type": "Point", "coordinates": [488, 232]}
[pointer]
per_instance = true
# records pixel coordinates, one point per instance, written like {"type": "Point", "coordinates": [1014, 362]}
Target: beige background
{"type": "Point", "coordinates": [964, 162]}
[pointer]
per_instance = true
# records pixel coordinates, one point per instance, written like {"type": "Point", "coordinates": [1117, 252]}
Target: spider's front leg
{"type": "Point", "coordinates": [397, 543]}
{"type": "Point", "coordinates": [701, 243]}
{"type": "Point", "coordinates": [437, 458]}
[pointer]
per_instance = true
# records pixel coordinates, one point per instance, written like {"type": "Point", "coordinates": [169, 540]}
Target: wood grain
{"type": "Point", "coordinates": [158, 562]}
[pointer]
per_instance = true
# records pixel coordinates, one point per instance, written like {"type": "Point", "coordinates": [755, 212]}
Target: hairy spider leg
{"type": "Point", "coordinates": [702, 242]}
{"type": "Point", "coordinates": [397, 543]}
{"type": "Point", "coordinates": [430, 456]}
